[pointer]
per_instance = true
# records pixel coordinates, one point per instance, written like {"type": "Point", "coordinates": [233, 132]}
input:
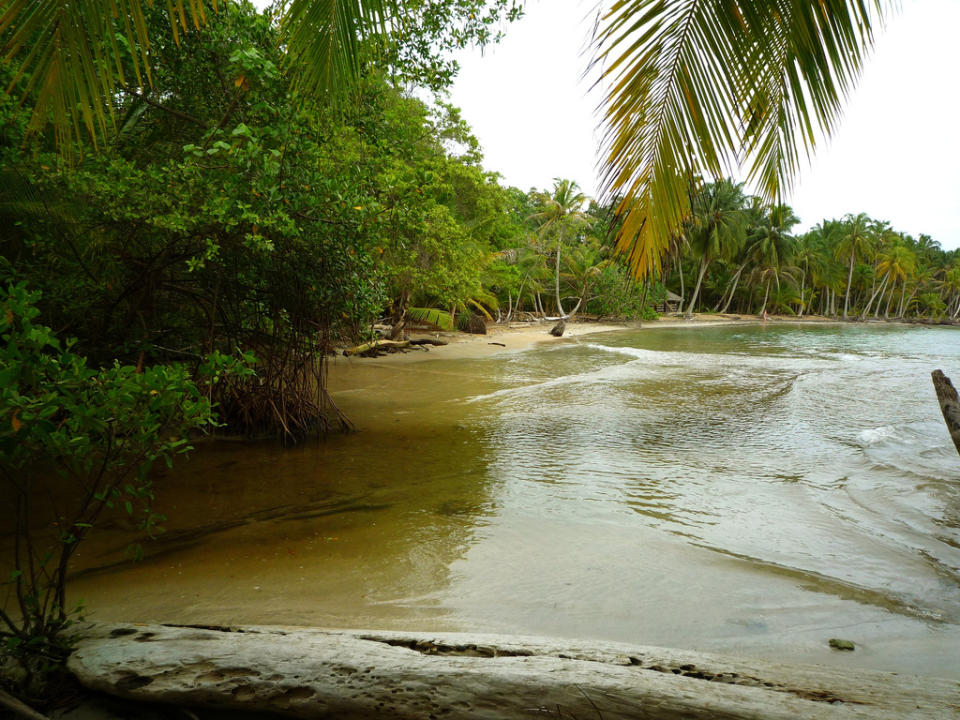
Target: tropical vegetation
{"type": "Point", "coordinates": [201, 202]}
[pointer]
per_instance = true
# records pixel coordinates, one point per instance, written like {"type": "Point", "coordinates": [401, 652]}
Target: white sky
{"type": "Point", "coordinates": [895, 156]}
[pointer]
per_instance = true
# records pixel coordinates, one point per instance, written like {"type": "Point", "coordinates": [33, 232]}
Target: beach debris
{"type": "Point", "coordinates": [558, 329]}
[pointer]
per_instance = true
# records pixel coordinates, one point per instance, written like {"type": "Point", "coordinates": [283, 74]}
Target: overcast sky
{"type": "Point", "coordinates": [895, 157]}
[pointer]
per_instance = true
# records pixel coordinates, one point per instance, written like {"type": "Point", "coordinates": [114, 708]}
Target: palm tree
{"type": "Point", "coordinates": [560, 211]}
{"type": "Point", "coordinates": [772, 247]}
{"type": "Point", "coordinates": [695, 87]}
{"type": "Point", "coordinates": [896, 262]}
{"type": "Point", "coordinates": [808, 253]}
{"type": "Point", "coordinates": [951, 286]}
{"type": "Point", "coordinates": [717, 227]}
{"type": "Point", "coordinates": [585, 263]}
{"type": "Point", "coordinates": [857, 239]}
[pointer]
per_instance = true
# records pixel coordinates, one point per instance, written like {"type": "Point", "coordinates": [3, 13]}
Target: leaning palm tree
{"type": "Point", "coordinates": [697, 87]}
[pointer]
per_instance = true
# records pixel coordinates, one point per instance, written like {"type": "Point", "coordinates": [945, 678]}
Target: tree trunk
{"type": "Point", "coordinates": [349, 674]}
{"type": "Point", "coordinates": [696, 290]}
{"type": "Point", "coordinates": [803, 285]}
{"type": "Point", "coordinates": [733, 291]}
{"type": "Point", "coordinates": [949, 405]}
{"type": "Point", "coordinates": [680, 272]}
{"type": "Point", "coordinates": [903, 295]}
{"type": "Point", "coordinates": [766, 296]}
{"type": "Point", "coordinates": [557, 276]}
{"type": "Point", "coordinates": [876, 313]}
{"type": "Point", "coordinates": [866, 310]}
{"type": "Point", "coordinates": [400, 315]}
{"type": "Point", "coordinates": [846, 299]}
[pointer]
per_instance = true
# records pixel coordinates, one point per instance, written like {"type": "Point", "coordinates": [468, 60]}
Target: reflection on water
{"type": "Point", "coordinates": [754, 490]}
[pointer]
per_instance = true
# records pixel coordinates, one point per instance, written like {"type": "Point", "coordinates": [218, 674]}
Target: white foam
{"type": "Point", "coordinates": [875, 436]}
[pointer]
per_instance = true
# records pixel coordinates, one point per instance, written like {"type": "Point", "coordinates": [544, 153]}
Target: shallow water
{"type": "Point", "coordinates": [748, 490]}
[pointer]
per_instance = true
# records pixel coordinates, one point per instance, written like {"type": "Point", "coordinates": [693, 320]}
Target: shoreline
{"type": "Point", "coordinates": [518, 336]}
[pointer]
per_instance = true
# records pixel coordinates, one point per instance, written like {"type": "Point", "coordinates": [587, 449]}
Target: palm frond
{"type": "Point", "coordinates": [432, 316]}
{"type": "Point", "coordinates": [322, 39]}
{"type": "Point", "coordinates": [68, 56]}
{"type": "Point", "coordinates": [698, 87]}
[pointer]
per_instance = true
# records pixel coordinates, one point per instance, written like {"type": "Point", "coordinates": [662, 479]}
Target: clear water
{"type": "Point", "coordinates": [748, 490]}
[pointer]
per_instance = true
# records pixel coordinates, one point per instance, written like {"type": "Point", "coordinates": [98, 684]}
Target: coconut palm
{"type": "Point", "coordinates": [560, 212]}
{"type": "Point", "coordinates": [950, 285]}
{"type": "Point", "coordinates": [717, 227]}
{"type": "Point", "coordinates": [896, 263]}
{"type": "Point", "coordinates": [808, 255]}
{"type": "Point", "coordinates": [695, 87]}
{"type": "Point", "coordinates": [857, 240]}
{"type": "Point", "coordinates": [772, 249]}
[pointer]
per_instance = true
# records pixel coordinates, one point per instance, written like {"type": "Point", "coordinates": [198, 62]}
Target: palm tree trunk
{"type": "Point", "coordinates": [886, 313]}
{"type": "Point", "coordinates": [903, 294]}
{"type": "Point", "coordinates": [736, 280]}
{"type": "Point", "coordinates": [680, 272]}
{"type": "Point", "coordinates": [803, 284]}
{"type": "Point", "coordinates": [876, 313]}
{"type": "Point", "coordinates": [696, 291]}
{"type": "Point", "coordinates": [866, 310]}
{"type": "Point", "coordinates": [766, 296]}
{"type": "Point", "coordinates": [557, 277]}
{"type": "Point", "coordinates": [846, 299]}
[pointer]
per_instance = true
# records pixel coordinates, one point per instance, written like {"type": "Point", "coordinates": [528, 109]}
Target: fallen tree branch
{"type": "Point", "coordinates": [949, 405]}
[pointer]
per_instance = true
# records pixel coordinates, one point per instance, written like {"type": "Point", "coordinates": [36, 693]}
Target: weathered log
{"type": "Point", "coordinates": [558, 329]}
{"type": "Point", "coordinates": [949, 405]}
{"type": "Point", "coordinates": [376, 345]}
{"type": "Point", "coordinates": [358, 674]}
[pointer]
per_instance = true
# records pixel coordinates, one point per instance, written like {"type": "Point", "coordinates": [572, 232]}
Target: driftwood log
{"type": "Point", "coordinates": [376, 345]}
{"type": "Point", "coordinates": [360, 674]}
{"type": "Point", "coordinates": [949, 405]}
{"type": "Point", "coordinates": [382, 346]}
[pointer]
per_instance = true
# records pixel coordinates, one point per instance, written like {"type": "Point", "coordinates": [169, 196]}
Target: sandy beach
{"type": "Point", "coordinates": [515, 336]}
